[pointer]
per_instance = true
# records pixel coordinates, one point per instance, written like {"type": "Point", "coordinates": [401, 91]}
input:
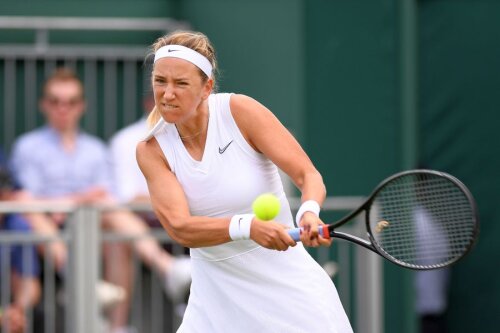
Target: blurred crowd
{"type": "Point", "coordinates": [61, 163]}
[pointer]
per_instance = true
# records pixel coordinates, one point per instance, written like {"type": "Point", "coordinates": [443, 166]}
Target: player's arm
{"type": "Point", "coordinates": [265, 133]}
{"type": "Point", "coordinates": [171, 206]}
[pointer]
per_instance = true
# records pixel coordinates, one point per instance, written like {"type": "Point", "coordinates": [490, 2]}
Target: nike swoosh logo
{"type": "Point", "coordinates": [170, 50]}
{"type": "Point", "coordinates": [222, 150]}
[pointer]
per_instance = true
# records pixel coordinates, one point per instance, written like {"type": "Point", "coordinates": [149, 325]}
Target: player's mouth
{"type": "Point", "coordinates": [168, 107]}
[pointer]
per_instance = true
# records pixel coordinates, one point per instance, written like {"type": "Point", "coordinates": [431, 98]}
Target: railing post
{"type": "Point", "coordinates": [369, 291]}
{"type": "Point", "coordinates": [83, 308]}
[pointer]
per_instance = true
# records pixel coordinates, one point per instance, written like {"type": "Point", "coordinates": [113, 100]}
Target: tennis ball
{"type": "Point", "coordinates": [266, 207]}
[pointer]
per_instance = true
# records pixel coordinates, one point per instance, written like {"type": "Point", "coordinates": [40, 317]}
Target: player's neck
{"type": "Point", "coordinates": [195, 130]}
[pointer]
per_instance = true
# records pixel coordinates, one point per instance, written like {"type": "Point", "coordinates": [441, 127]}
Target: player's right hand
{"type": "Point", "coordinates": [310, 236]}
{"type": "Point", "coordinates": [271, 235]}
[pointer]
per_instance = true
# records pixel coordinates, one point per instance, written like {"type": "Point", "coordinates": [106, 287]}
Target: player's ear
{"type": "Point", "coordinates": [207, 88]}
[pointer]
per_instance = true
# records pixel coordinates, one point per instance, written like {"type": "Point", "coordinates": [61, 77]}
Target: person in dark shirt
{"type": "Point", "coordinates": [21, 269]}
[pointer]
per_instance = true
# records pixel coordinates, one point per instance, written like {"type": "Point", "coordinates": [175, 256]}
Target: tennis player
{"type": "Point", "coordinates": [207, 157]}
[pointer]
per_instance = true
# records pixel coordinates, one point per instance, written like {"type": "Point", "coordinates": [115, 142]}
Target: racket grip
{"type": "Point", "coordinates": [295, 232]}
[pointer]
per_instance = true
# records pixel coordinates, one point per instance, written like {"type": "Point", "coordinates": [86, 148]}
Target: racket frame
{"type": "Point", "coordinates": [328, 231]}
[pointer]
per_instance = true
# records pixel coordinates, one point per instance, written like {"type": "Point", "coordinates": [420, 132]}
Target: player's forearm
{"type": "Point", "coordinates": [312, 187]}
{"type": "Point", "coordinates": [197, 231]}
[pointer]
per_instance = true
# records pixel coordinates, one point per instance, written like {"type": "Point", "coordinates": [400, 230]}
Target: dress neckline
{"type": "Point", "coordinates": [206, 151]}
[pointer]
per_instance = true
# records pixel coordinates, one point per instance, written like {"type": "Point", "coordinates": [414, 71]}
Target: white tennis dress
{"type": "Point", "coordinates": [240, 287]}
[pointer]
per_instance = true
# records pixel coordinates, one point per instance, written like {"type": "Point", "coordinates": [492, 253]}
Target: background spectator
{"type": "Point", "coordinates": [25, 290]}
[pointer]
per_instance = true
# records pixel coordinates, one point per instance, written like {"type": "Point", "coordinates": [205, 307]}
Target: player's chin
{"type": "Point", "coordinates": [171, 115]}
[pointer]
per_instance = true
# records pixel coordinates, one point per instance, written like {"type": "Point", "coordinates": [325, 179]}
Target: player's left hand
{"type": "Point", "coordinates": [310, 235]}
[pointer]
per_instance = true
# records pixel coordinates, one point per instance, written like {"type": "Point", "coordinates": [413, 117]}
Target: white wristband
{"type": "Point", "coordinates": [307, 206]}
{"type": "Point", "coordinates": [239, 227]}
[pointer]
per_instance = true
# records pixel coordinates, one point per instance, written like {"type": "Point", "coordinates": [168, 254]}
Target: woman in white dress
{"type": "Point", "coordinates": [206, 158]}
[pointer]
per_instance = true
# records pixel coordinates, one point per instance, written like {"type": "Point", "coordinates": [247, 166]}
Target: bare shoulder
{"type": "Point", "coordinates": [240, 100]}
{"type": "Point", "coordinates": [149, 152]}
{"type": "Point", "coordinates": [146, 148]}
{"type": "Point", "coordinates": [243, 105]}
{"type": "Point", "coordinates": [253, 119]}
{"type": "Point", "coordinates": [247, 111]}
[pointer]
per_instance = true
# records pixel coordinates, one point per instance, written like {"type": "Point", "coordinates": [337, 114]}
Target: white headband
{"type": "Point", "coordinates": [182, 52]}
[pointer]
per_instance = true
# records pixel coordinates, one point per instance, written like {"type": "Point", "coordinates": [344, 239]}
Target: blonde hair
{"type": "Point", "coordinates": [194, 40]}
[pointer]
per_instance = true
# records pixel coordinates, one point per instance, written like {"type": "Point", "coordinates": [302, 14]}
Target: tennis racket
{"type": "Point", "coordinates": [418, 219]}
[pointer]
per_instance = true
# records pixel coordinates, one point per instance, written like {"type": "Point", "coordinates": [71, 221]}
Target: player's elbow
{"type": "Point", "coordinates": [176, 226]}
{"type": "Point", "coordinates": [323, 186]}
{"type": "Point", "coordinates": [177, 230]}
{"type": "Point", "coordinates": [180, 239]}
{"type": "Point", "coordinates": [311, 177]}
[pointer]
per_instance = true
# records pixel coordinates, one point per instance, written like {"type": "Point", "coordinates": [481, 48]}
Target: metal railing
{"type": "Point", "coordinates": [358, 279]}
{"type": "Point", "coordinates": [77, 292]}
{"type": "Point", "coordinates": [113, 74]}
{"type": "Point", "coordinates": [42, 26]}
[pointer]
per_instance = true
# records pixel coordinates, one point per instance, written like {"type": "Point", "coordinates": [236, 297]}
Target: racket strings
{"type": "Point", "coordinates": [423, 220]}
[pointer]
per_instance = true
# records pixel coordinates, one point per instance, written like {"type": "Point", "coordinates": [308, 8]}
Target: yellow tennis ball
{"type": "Point", "coordinates": [266, 207]}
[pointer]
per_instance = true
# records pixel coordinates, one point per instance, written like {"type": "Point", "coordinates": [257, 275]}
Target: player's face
{"type": "Point", "coordinates": [63, 104]}
{"type": "Point", "coordinates": [179, 89]}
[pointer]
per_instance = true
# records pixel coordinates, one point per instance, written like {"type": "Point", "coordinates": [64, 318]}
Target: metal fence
{"type": "Point", "coordinates": [113, 73]}
{"type": "Point", "coordinates": [71, 304]}
{"type": "Point", "coordinates": [358, 274]}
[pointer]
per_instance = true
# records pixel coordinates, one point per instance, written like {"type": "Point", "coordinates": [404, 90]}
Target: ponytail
{"type": "Point", "coordinates": [154, 117]}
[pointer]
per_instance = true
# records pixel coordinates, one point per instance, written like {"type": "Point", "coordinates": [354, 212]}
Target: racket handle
{"type": "Point", "coordinates": [295, 232]}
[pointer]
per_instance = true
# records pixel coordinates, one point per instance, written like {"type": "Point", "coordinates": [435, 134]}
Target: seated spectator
{"type": "Point", "coordinates": [25, 289]}
{"type": "Point", "coordinates": [61, 163]}
{"type": "Point", "coordinates": [129, 184]}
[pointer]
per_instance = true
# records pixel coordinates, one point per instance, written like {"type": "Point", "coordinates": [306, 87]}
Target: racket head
{"type": "Point", "coordinates": [422, 219]}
